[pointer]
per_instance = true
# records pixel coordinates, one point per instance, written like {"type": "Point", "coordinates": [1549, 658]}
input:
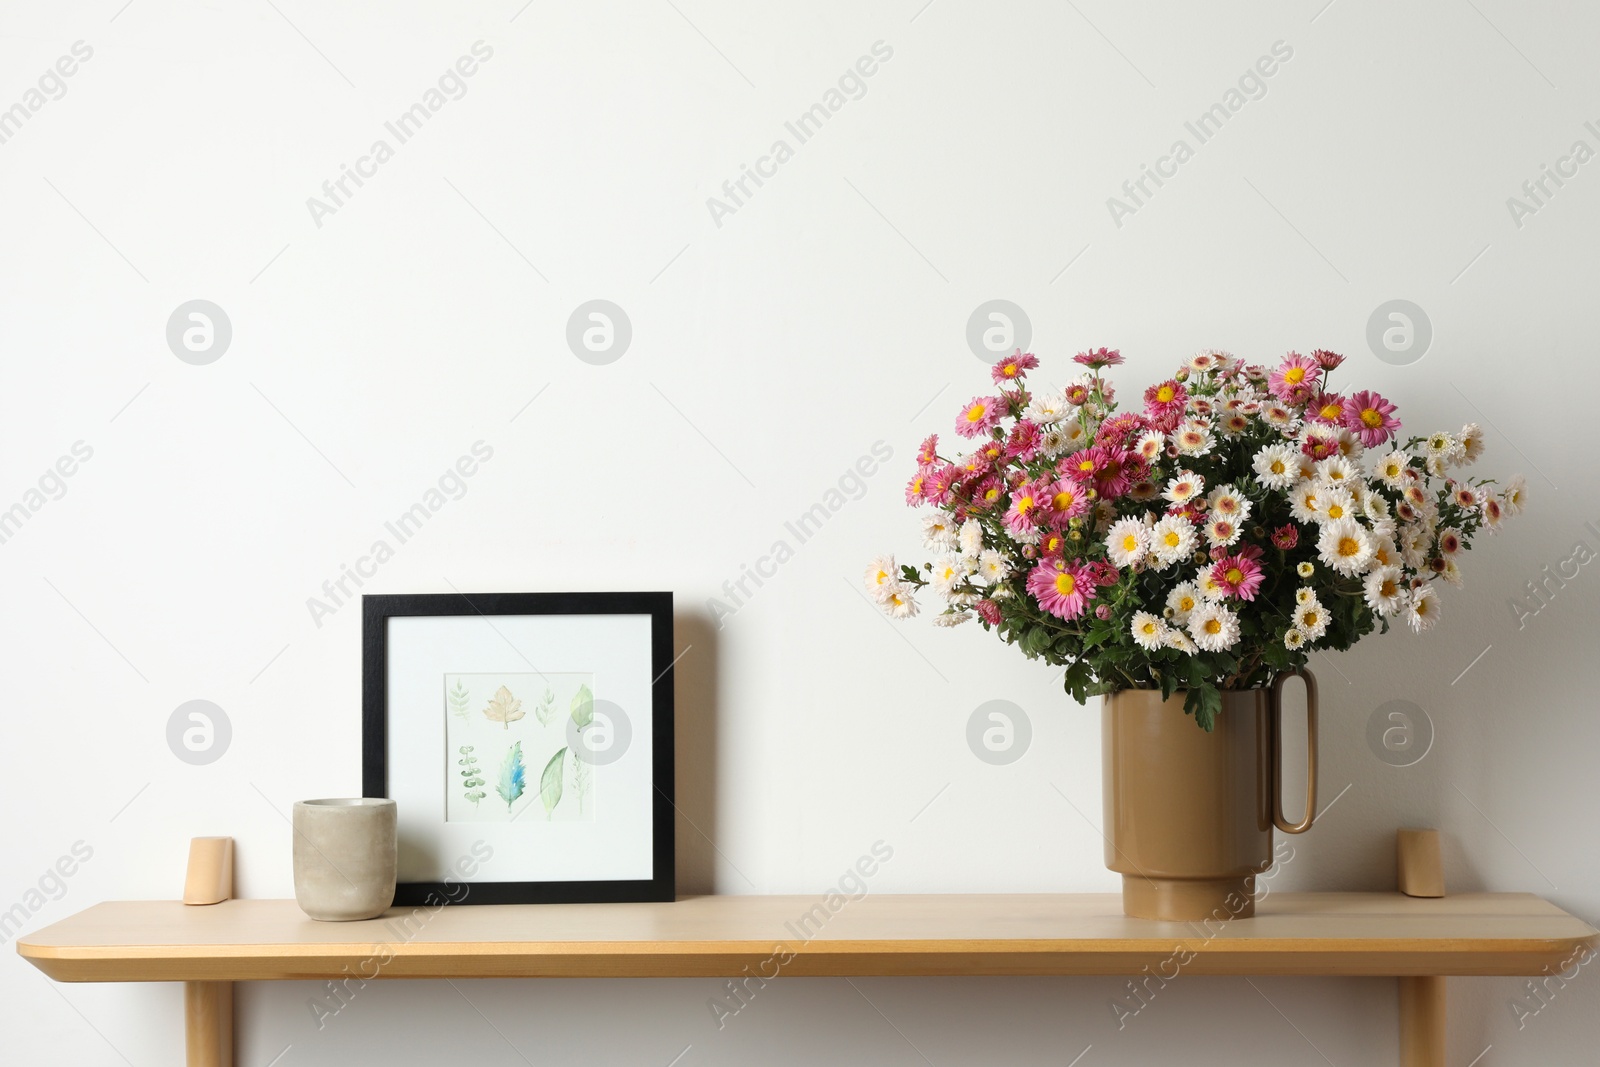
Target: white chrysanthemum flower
{"type": "Point", "coordinates": [1073, 433]}
{"type": "Point", "coordinates": [1350, 446]}
{"type": "Point", "coordinates": [1471, 443]}
{"type": "Point", "coordinates": [1210, 588]}
{"type": "Point", "coordinates": [1150, 445]}
{"type": "Point", "coordinates": [1444, 447]}
{"type": "Point", "coordinates": [1227, 502]}
{"type": "Point", "coordinates": [1275, 467]}
{"type": "Point", "coordinates": [962, 600]}
{"type": "Point", "coordinates": [1047, 409]}
{"type": "Point", "coordinates": [1384, 554]}
{"type": "Point", "coordinates": [1304, 595]}
{"type": "Point", "coordinates": [1171, 539]}
{"type": "Point", "coordinates": [1001, 592]}
{"type": "Point", "coordinates": [1304, 568]}
{"type": "Point", "coordinates": [1149, 632]}
{"type": "Point", "coordinates": [1415, 543]}
{"type": "Point", "coordinates": [938, 531]}
{"type": "Point", "coordinates": [970, 538]}
{"type": "Point", "coordinates": [1294, 637]}
{"type": "Point", "coordinates": [1345, 547]}
{"type": "Point", "coordinates": [1514, 495]}
{"type": "Point", "coordinates": [1184, 487]}
{"type": "Point", "coordinates": [1450, 543]}
{"type": "Point", "coordinates": [1334, 504]}
{"type": "Point", "coordinates": [1336, 470]}
{"type": "Point", "coordinates": [880, 577]}
{"type": "Point", "coordinates": [1179, 640]}
{"type": "Point", "coordinates": [1182, 601]}
{"type": "Point", "coordinates": [1312, 619]}
{"type": "Point", "coordinates": [1127, 542]}
{"type": "Point", "coordinates": [1214, 628]}
{"type": "Point", "coordinates": [952, 618]}
{"type": "Point", "coordinates": [898, 601]}
{"type": "Point", "coordinates": [1279, 416]}
{"type": "Point", "coordinates": [1385, 591]}
{"type": "Point", "coordinates": [1052, 443]}
{"type": "Point", "coordinates": [1375, 506]}
{"type": "Point", "coordinates": [1391, 468]}
{"type": "Point", "coordinates": [1303, 502]}
{"type": "Point", "coordinates": [1452, 573]}
{"type": "Point", "coordinates": [1223, 533]}
{"type": "Point", "coordinates": [1422, 609]}
{"type": "Point", "coordinates": [948, 572]}
{"type": "Point", "coordinates": [1193, 439]}
{"type": "Point", "coordinates": [992, 567]}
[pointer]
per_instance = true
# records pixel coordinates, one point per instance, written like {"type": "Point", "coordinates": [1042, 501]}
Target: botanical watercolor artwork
{"type": "Point", "coordinates": [508, 756]}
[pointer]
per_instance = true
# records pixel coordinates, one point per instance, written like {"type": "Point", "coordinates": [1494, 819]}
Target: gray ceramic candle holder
{"type": "Point", "coordinates": [344, 858]}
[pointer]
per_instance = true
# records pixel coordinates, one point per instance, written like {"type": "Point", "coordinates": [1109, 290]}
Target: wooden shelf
{"type": "Point", "coordinates": [1291, 934]}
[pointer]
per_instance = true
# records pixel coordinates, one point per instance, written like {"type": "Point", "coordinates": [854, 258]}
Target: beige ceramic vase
{"type": "Point", "coordinates": [1189, 814]}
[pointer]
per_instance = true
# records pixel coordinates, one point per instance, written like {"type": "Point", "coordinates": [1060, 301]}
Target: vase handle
{"type": "Point", "coordinates": [1311, 752]}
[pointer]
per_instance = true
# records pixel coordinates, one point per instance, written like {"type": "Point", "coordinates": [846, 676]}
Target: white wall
{"type": "Point", "coordinates": [768, 354]}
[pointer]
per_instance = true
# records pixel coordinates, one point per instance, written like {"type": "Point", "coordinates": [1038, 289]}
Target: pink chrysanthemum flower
{"type": "Point", "coordinates": [1102, 612]}
{"type": "Point", "coordinates": [1286, 537]}
{"type": "Point", "coordinates": [917, 487]}
{"type": "Point", "coordinates": [987, 493]}
{"type": "Point", "coordinates": [1099, 357]}
{"type": "Point", "coordinates": [939, 484]}
{"type": "Point", "coordinates": [1063, 500]}
{"type": "Point", "coordinates": [1326, 408]}
{"type": "Point", "coordinates": [1327, 360]}
{"type": "Point", "coordinates": [1295, 379]}
{"type": "Point", "coordinates": [1164, 404]}
{"type": "Point", "coordinates": [1113, 469]}
{"type": "Point", "coordinates": [1077, 394]}
{"type": "Point", "coordinates": [1320, 445]}
{"type": "Point", "coordinates": [1023, 443]}
{"type": "Point", "coordinates": [1119, 429]}
{"type": "Point", "coordinates": [1061, 588]}
{"type": "Point", "coordinates": [1103, 572]}
{"type": "Point", "coordinates": [928, 451]}
{"type": "Point", "coordinates": [1237, 576]}
{"type": "Point", "coordinates": [1022, 515]}
{"type": "Point", "coordinates": [988, 611]}
{"type": "Point", "coordinates": [1370, 417]}
{"type": "Point", "coordinates": [1014, 368]}
{"type": "Point", "coordinates": [1053, 543]}
{"type": "Point", "coordinates": [993, 451]}
{"type": "Point", "coordinates": [980, 415]}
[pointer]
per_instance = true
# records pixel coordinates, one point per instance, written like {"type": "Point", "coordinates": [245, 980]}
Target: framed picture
{"type": "Point", "coordinates": [526, 739]}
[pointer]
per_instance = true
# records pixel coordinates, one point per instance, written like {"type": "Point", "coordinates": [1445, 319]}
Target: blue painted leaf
{"type": "Point", "coordinates": [513, 776]}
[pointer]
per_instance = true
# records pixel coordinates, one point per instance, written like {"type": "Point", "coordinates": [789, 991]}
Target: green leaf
{"type": "Point", "coordinates": [583, 707]}
{"type": "Point", "coordinates": [513, 775]}
{"type": "Point", "coordinates": [550, 782]}
{"type": "Point", "coordinates": [1204, 703]}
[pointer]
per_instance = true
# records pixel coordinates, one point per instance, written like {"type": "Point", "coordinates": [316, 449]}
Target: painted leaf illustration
{"type": "Point", "coordinates": [470, 782]}
{"type": "Point", "coordinates": [583, 707]}
{"type": "Point", "coordinates": [550, 782]}
{"type": "Point", "coordinates": [503, 708]}
{"type": "Point", "coordinates": [460, 700]}
{"type": "Point", "coordinates": [513, 776]}
{"type": "Point", "coordinates": [546, 707]}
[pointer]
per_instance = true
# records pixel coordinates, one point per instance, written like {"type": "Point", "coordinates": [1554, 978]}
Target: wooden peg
{"type": "Point", "coordinates": [210, 876]}
{"type": "Point", "coordinates": [1421, 871]}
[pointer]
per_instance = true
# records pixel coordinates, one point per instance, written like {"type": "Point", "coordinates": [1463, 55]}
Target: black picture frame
{"type": "Point", "coordinates": [377, 609]}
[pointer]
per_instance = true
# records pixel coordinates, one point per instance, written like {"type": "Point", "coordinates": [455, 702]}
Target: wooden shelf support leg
{"type": "Point", "coordinates": [208, 1018]}
{"type": "Point", "coordinates": [1422, 1022]}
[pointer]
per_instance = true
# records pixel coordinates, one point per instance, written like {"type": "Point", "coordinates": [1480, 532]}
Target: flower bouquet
{"type": "Point", "coordinates": [1207, 542]}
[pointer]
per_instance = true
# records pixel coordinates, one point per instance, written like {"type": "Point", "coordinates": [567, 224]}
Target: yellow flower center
{"type": "Point", "coordinates": [1330, 411]}
{"type": "Point", "coordinates": [1165, 394]}
{"type": "Point", "coordinates": [1234, 576]}
{"type": "Point", "coordinates": [1186, 603]}
{"type": "Point", "coordinates": [1213, 626]}
{"type": "Point", "coordinates": [1064, 500]}
{"type": "Point", "coordinates": [1372, 417]}
{"type": "Point", "coordinates": [1294, 375]}
{"type": "Point", "coordinates": [1172, 539]}
{"type": "Point", "coordinates": [991, 493]}
{"type": "Point", "coordinates": [1311, 618]}
{"type": "Point", "coordinates": [1010, 370]}
{"type": "Point", "coordinates": [1349, 546]}
{"type": "Point", "coordinates": [1065, 583]}
{"type": "Point", "coordinates": [1335, 511]}
{"type": "Point", "coordinates": [1130, 543]}
{"type": "Point", "coordinates": [916, 484]}
{"type": "Point", "coordinates": [1024, 504]}
{"type": "Point", "coordinates": [1278, 467]}
{"type": "Point", "coordinates": [1148, 629]}
{"type": "Point", "coordinates": [1388, 589]}
{"type": "Point", "coordinates": [1086, 465]}
{"type": "Point", "coordinates": [976, 413]}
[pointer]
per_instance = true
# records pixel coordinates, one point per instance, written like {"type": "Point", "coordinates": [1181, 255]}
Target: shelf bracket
{"type": "Point", "coordinates": [208, 1006]}
{"type": "Point", "coordinates": [1422, 1031]}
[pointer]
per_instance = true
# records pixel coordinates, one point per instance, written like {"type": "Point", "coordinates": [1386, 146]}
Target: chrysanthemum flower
{"type": "Point", "coordinates": [1023, 441]}
{"type": "Point", "coordinates": [1370, 417]}
{"type": "Point", "coordinates": [948, 572]}
{"type": "Point", "coordinates": [1384, 591]}
{"type": "Point", "coordinates": [1318, 441]}
{"type": "Point", "coordinates": [1235, 424]}
{"type": "Point", "coordinates": [1450, 541]}
{"type": "Point", "coordinates": [1295, 379]}
{"type": "Point", "coordinates": [1279, 416]}
{"type": "Point", "coordinates": [1445, 448]}
{"type": "Point", "coordinates": [1192, 439]}
{"type": "Point", "coordinates": [1228, 502]}
{"type": "Point", "coordinates": [1304, 502]}
{"type": "Point", "coordinates": [1182, 601]}
{"type": "Point", "coordinates": [1098, 358]}
{"type": "Point", "coordinates": [1326, 408]}
{"type": "Point", "coordinates": [1275, 466]}
{"type": "Point", "coordinates": [1013, 368]}
{"type": "Point", "coordinates": [880, 576]}
{"type": "Point", "coordinates": [938, 532]}
{"type": "Point", "coordinates": [1514, 495]}
{"type": "Point", "coordinates": [1465, 497]}
{"type": "Point", "coordinates": [1335, 504]}
{"type": "Point", "coordinates": [1171, 539]}
{"type": "Point", "coordinates": [1179, 640]}
{"type": "Point", "coordinates": [1221, 533]}
{"type": "Point", "coordinates": [1312, 619]}
{"type": "Point", "coordinates": [987, 493]}
{"type": "Point", "coordinates": [1286, 536]}
{"type": "Point", "coordinates": [1164, 404]}
{"type": "Point", "coordinates": [1494, 512]}
{"type": "Point", "coordinates": [916, 488]}
{"type": "Point", "coordinates": [992, 567]}
{"type": "Point", "coordinates": [898, 601]}
{"type": "Point", "coordinates": [1063, 500]}
{"type": "Point", "coordinates": [1078, 393]}
{"type": "Point", "coordinates": [970, 538]}
{"type": "Point", "coordinates": [1304, 595]}
{"type": "Point", "coordinates": [1305, 568]}
{"type": "Point", "coordinates": [1052, 543]}
{"type": "Point", "coordinates": [1327, 360]}
{"type": "Point", "coordinates": [1422, 609]}
{"type": "Point", "coordinates": [1149, 632]}
{"type": "Point", "coordinates": [1022, 516]}
{"type": "Point", "coordinates": [980, 415]}
{"type": "Point", "coordinates": [1046, 408]}
{"type": "Point", "coordinates": [1184, 487]}
{"type": "Point", "coordinates": [952, 618]}
{"type": "Point", "coordinates": [1150, 445]}
{"type": "Point", "coordinates": [1127, 541]}
{"type": "Point", "coordinates": [1294, 638]}
{"type": "Point", "coordinates": [1239, 577]}
{"type": "Point", "coordinates": [1061, 588]}
{"type": "Point", "coordinates": [1391, 468]}
{"type": "Point", "coordinates": [988, 611]}
{"type": "Point", "coordinates": [1214, 627]}
{"type": "Point", "coordinates": [1345, 547]}
{"type": "Point", "coordinates": [1471, 439]}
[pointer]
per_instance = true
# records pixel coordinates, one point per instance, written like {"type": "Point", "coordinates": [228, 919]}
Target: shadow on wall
{"type": "Point", "coordinates": [696, 707]}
